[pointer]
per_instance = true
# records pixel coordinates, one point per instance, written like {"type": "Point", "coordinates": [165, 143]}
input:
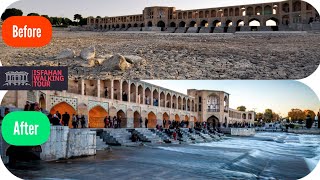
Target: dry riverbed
{"type": "Point", "coordinates": [180, 56]}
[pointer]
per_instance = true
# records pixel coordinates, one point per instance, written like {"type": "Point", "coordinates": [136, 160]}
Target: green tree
{"type": "Point", "coordinates": [268, 115]}
{"type": "Point", "coordinates": [77, 17]}
{"type": "Point", "coordinates": [241, 108]}
{"type": "Point", "coordinates": [259, 116]}
{"type": "Point", "coordinates": [33, 14]}
{"type": "Point", "coordinates": [11, 12]}
{"type": "Point", "coordinates": [83, 22]}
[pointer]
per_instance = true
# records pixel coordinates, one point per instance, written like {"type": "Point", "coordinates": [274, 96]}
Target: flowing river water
{"type": "Point", "coordinates": [263, 156]}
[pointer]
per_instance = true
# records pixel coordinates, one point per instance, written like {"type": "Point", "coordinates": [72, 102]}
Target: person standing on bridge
{"type": "Point", "coordinates": [83, 121]}
{"type": "Point", "coordinates": [146, 122]}
{"type": "Point", "coordinates": [74, 121]}
{"type": "Point", "coordinates": [65, 119]}
{"type": "Point", "coordinates": [140, 120]}
{"type": "Point", "coordinates": [164, 123]}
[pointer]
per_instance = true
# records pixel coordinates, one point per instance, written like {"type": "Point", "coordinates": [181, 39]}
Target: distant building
{"type": "Point", "coordinates": [131, 100]}
{"type": "Point", "coordinates": [273, 16]}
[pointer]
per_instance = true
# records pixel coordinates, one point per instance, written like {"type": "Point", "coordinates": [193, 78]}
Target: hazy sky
{"type": "Point", "coordinates": [280, 96]}
{"type": "Point", "coordinates": [67, 8]}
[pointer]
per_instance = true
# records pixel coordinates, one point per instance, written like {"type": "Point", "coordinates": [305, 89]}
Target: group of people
{"type": "Point", "coordinates": [63, 120]}
{"type": "Point", "coordinates": [115, 122]}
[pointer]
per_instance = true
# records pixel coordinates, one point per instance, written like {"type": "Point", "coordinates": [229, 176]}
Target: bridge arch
{"type": "Point", "coordinates": [182, 24]}
{"type": "Point", "coordinates": [122, 116]}
{"type": "Point", "coordinates": [193, 24]}
{"type": "Point", "coordinates": [213, 122]}
{"type": "Point", "coordinates": [62, 108]}
{"type": "Point", "coordinates": [152, 120]}
{"type": "Point", "coordinates": [204, 23]}
{"type": "Point", "coordinates": [149, 24]}
{"type": "Point", "coordinates": [161, 24]}
{"type": "Point", "coordinates": [166, 117]}
{"type": "Point", "coordinates": [216, 23]}
{"type": "Point", "coordinates": [96, 117]}
{"type": "Point", "coordinates": [136, 119]}
{"type": "Point", "coordinates": [173, 24]}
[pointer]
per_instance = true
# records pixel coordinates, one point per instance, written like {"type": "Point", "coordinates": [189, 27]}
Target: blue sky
{"type": "Point", "coordinates": [67, 8]}
{"type": "Point", "coordinates": [280, 96]}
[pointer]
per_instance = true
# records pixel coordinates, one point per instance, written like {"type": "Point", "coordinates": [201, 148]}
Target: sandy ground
{"type": "Point", "coordinates": [182, 56]}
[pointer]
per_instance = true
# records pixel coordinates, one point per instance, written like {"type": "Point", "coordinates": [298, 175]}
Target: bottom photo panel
{"type": "Point", "coordinates": [169, 129]}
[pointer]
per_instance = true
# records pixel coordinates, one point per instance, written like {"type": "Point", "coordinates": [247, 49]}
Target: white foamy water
{"type": "Point", "coordinates": [267, 155]}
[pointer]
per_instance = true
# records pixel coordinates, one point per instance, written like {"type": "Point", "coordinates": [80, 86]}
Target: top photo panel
{"type": "Point", "coordinates": [178, 39]}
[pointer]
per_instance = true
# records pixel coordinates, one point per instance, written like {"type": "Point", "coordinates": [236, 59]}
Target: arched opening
{"type": "Point", "coordinates": [147, 93]}
{"type": "Point", "coordinates": [63, 108]}
{"type": "Point", "coordinates": [174, 102]}
{"type": "Point", "coordinates": [177, 118]}
{"type": "Point", "coordinates": [123, 26]}
{"type": "Point", "coordinates": [184, 103]}
{"type": "Point", "coordinates": [250, 11]}
{"type": "Point", "coordinates": [125, 91]}
{"type": "Point", "coordinates": [168, 103]}
{"type": "Point", "coordinates": [188, 105]}
{"type": "Point", "coordinates": [172, 24]}
{"type": "Point", "coordinates": [42, 102]}
{"type": "Point", "coordinates": [207, 14]}
{"type": "Point", "coordinates": [228, 24]}
{"type": "Point", "coordinates": [105, 87]}
{"type": "Point", "coordinates": [117, 26]}
{"type": "Point", "coordinates": [161, 24]}
{"type": "Point", "coordinates": [296, 6]}
{"type": "Point", "coordinates": [152, 120]}
{"type": "Point", "coordinates": [136, 120]}
{"type": "Point", "coordinates": [285, 7]}
{"type": "Point", "coordinates": [193, 24]}
{"type": "Point", "coordinates": [225, 13]}
{"type": "Point", "coordinates": [244, 116]}
{"type": "Point", "coordinates": [149, 24]}
{"type": "Point", "coordinates": [135, 25]}
{"type": "Point", "coordinates": [122, 116]}
{"type": "Point", "coordinates": [273, 22]}
{"type": "Point", "coordinates": [213, 122]}
{"type": "Point", "coordinates": [180, 15]}
{"type": "Point", "coordinates": [96, 117]}
{"type": "Point", "coordinates": [101, 27]}
{"type": "Point", "coordinates": [201, 14]}
{"type": "Point", "coordinates": [216, 23]}
{"type": "Point", "coordinates": [23, 153]}
{"type": "Point", "coordinates": [189, 15]}
{"type": "Point", "coordinates": [231, 12]}
{"type": "Point", "coordinates": [268, 10]}
{"type": "Point", "coordinates": [185, 15]}
{"type": "Point", "coordinates": [140, 94]}
{"type": "Point", "coordinates": [250, 116]}
{"type": "Point", "coordinates": [179, 102]}
{"type": "Point", "coordinates": [182, 24]}
{"type": "Point", "coordinates": [105, 26]}
{"type": "Point", "coordinates": [258, 10]}
{"type": "Point", "coordinates": [254, 23]}
{"type": "Point", "coordinates": [142, 24]}
{"type": "Point", "coordinates": [166, 117]}
{"type": "Point", "coordinates": [155, 98]}
{"type": "Point", "coordinates": [240, 23]}
{"type": "Point", "coordinates": [204, 23]}
{"type": "Point", "coordinates": [186, 119]}
{"type": "Point", "coordinates": [213, 13]}
{"type": "Point", "coordinates": [237, 12]}
{"type": "Point", "coordinates": [285, 20]}
{"type": "Point", "coordinates": [116, 90]}
{"type": "Point", "coordinates": [162, 99]}
{"type": "Point", "coordinates": [133, 91]}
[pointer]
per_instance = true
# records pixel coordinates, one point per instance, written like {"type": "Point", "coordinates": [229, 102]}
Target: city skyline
{"type": "Point", "coordinates": [115, 8]}
{"type": "Point", "coordinates": [252, 93]}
